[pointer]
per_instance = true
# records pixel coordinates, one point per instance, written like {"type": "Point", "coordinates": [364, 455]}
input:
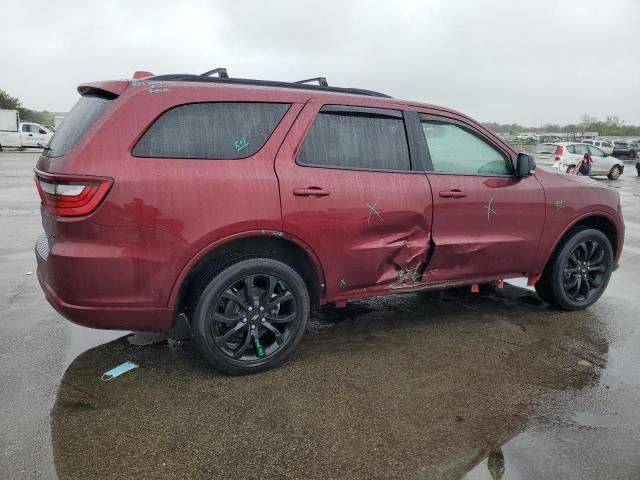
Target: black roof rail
{"type": "Point", "coordinates": [223, 77]}
{"type": "Point", "coordinates": [222, 73]}
{"type": "Point", "coordinates": [322, 81]}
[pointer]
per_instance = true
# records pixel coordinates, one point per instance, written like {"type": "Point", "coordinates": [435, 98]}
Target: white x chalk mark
{"type": "Point", "coordinates": [490, 209]}
{"type": "Point", "coordinates": [372, 210]}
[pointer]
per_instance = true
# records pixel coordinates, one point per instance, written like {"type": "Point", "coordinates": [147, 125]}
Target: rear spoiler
{"type": "Point", "coordinates": [110, 88]}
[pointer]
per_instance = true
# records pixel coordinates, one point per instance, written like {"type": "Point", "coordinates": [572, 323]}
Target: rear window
{"type": "Point", "coordinates": [77, 122]}
{"type": "Point", "coordinates": [546, 148]}
{"type": "Point", "coordinates": [220, 131]}
{"type": "Point", "coordinates": [368, 139]}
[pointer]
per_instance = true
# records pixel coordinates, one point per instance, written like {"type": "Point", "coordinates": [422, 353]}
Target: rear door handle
{"type": "Point", "coordinates": [453, 194]}
{"type": "Point", "coordinates": [310, 192]}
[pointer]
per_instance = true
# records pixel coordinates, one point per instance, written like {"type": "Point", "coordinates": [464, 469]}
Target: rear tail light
{"type": "Point", "coordinates": [70, 195]}
{"type": "Point", "coordinates": [559, 152]}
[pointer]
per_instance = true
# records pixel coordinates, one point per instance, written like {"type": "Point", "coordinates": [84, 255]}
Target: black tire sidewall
{"type": "Point", "coordinates": [557, 272]}
{"type": "Point", "coordinates": [218, 284]}
{"type": "Point", "coordinates": [611, 174]}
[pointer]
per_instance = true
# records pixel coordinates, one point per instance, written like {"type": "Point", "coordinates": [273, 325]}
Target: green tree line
{"type": "Point", "coordinates": [610, 126]}
{"type": "Point", "coordinates": [7, 102]}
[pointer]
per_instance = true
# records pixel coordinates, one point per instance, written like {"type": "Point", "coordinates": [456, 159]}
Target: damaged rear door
{"type": "Point", "coordinates": [353, 192]}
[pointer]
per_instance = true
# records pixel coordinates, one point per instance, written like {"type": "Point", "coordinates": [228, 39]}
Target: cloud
{"type": "Point", "coordinates": [496, 60]}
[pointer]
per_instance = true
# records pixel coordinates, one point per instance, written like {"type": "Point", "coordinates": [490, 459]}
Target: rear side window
{"type": "Point", "coordinates": [368, 139]}
{"type": "Point", "coordinates": [221, 130]}
{"type": "Point", "coordinates": [77, 122]}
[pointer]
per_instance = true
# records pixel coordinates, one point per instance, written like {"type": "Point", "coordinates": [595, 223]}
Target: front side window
{"type": "Point", "coordinates": [357, 139]}
{"type": "Point", "coordinates": [454, 149]}
{"type": "Point", "coordinates": [221, 130]}
{"type": "Point", "coordinates": [26, 127]}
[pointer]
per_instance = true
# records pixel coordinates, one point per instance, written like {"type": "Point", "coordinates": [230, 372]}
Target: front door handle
{"type": "Point", "coordinates": [453, 194]}
{"type": "Point", "coordinates": [310, 192]}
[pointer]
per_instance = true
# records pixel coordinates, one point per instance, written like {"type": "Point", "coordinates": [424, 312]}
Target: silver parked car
{"type": "Point", "coordinates": [604, 145]}
{"type": "Point", "coordinates": [569, 154]}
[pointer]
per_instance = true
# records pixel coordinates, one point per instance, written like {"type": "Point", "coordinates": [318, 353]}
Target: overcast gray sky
{"type": "Point", "coordinates": [506, 61]}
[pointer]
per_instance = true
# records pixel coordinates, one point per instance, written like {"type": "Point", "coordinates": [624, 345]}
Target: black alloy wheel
{"type": "Point", "coordinates": [584, 271]}
{"type": "Point", "coordinates": [251, 316]}
{"type": "Point", "coordinates": [578, 271]}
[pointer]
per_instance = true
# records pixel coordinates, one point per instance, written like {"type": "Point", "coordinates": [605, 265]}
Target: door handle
{"type": "Point", "coordinates": [31, 134]}
{"type": "Point", "coordinates": [310, 192]}
{"type": "Point", "coordinates": [453, 194]}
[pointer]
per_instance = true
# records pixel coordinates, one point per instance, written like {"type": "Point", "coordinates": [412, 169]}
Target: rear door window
{"type": "Point", "coordinates": [596, 152]}
{"type": "Point", "coordinates": [221, 130]}
{"type": "Point", "coordinates": [77, 122]}
{"type": "Point", "coordinates": [580, 149]}
{"type": "Point", "coordinates": [358, 138]}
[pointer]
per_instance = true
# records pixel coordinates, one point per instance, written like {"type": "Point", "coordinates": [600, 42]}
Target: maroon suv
{"type": "Point", "coordinates": [227, 209]}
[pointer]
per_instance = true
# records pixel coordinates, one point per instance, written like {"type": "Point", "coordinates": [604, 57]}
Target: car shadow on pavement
{"type": "Point", "coordinates": [423, 385]}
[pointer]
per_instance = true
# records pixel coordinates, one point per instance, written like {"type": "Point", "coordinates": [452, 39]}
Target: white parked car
{"type": "Point", "coordinates": [604, 145]}
{"type": "Point", "coordinates": [569, 154]}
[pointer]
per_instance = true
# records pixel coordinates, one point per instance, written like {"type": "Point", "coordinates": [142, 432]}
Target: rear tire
{"type": "Point", "coordinates": [614, 173]}
{"type": "Point", "coordinates": [578, 272]}
{"type": "Point", "coordinates": [571, 168]}
{"type": "Point", "coordinates": [250, 316]}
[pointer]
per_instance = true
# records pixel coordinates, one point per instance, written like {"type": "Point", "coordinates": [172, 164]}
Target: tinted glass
{"type": "Point", "coordinates": [571, 148]}
{"type": "Point", "coordinates": [456, 150]}
{"type": "Point", "coordinates": [606, 144]}
{"type": "Point", "coordinates": [26, 127]}
{"type": "Point", "coordinates": [546, 148]}
{"type": "Point", "coordinates": [78, 122]}
{"type": "Point", "coordinates": [222, 131]}
{"type": "Point", "coordinates": [580, 149]}
{"type": "Point", "coordinates": [354, 140]}
{"type": "Point", "coordinates": [596, 152]}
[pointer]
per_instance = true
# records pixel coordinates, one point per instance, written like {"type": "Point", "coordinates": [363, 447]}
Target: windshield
{"type": "Point", "coordinates": [78, 122]}
{"type": "Point", "coordinates": [546, 148]}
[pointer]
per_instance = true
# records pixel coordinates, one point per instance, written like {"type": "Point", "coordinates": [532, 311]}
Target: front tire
{"type": "Point", "coordinates": [578, 272]}
{"type": "Point", "coordinates": [614, 173]}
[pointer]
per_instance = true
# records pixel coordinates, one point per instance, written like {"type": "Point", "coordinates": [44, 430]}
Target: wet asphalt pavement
{"type": "Point", "coordinates": [429, 385]}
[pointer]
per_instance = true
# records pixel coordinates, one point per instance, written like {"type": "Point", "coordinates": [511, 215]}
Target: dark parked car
{"type": "Point", "coordinates": [227, 209]}
{"type": "Point", "coordinates": [624, 149]}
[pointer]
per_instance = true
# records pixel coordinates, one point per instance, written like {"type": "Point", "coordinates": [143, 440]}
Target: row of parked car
{"type": "Point", "coordinates": [606, 156]}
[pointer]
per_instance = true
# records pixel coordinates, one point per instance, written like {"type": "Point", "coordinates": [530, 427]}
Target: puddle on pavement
{"type": "Point", "coordinates": [434, 385]}
{"type": "Point", "coordinates": [81, 339]}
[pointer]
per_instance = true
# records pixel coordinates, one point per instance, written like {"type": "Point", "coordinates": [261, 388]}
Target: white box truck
{"type": "Point", "coordinates": [17, 134]}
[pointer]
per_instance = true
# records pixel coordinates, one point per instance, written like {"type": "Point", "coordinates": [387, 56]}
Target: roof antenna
{"type": "Point", "coordinates": [322, 81]}
{"type": "Point", "coordinates": [222, 73]}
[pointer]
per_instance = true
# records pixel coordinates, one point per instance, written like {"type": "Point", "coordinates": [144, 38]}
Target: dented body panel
{"type": "Point", "coordinates": [367, 233]}
{"type": "Point", "coordinates": [369, 227]}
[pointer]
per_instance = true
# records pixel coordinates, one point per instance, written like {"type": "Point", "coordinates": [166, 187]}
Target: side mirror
{"type": "Point", "coordinates": [525, 165]}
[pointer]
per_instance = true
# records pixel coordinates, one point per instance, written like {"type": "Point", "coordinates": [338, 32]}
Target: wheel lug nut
{"type": "Point", "coordinates": [262, 309]}
{"type": "Point", "coordinates": [244, 320]}
{"type": "Point", "coordinates": [250, 309]}
{"type": "Point", "coordinates": [263, 320]}
{"type": "Point", "coordinates": [253, 327]}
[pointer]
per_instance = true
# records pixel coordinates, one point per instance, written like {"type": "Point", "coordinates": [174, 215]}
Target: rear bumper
{"type": "Point", "coordinates": [111, 318]}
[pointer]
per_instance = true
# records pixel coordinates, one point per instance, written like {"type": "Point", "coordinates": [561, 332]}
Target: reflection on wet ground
{"type": "Point", "coordinates": [420, 386]}
{"type": "Point", "coordinates": [439, 385]}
